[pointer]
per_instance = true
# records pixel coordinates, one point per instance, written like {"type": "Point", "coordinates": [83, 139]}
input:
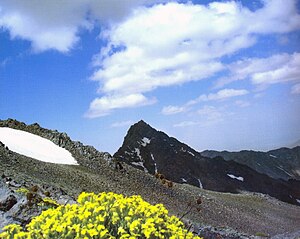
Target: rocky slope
{"type": "Point", "coordinates": [85, 155]}
{"type": "Point", "coordinates": [283, 163]}
{"type": "Point", "coordinates": [152, 151]}
{"type": "Point", "coordinates": [222, 215]}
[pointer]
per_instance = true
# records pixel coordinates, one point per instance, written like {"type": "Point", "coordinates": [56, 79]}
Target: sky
{"type": "Point", "coordinates": [221, 75]}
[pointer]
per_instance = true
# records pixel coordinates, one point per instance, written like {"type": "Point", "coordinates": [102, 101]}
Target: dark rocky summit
{"type": "Point", "coordinates": [283, 163]}
{"type": "Point", "coordinates": [153, 151]}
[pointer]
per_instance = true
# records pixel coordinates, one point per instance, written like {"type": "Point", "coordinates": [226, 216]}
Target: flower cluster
{"type": "Point", "coordinates": [106, 215]}
{"type": "Point", "coordinates": [48, 202]}
{"type": "Point", "coordinates": [22, 190]}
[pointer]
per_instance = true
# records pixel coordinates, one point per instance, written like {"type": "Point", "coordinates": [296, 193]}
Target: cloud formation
{"type": "Point", "coordinates": [265, 71]}
{"type": "Point", "coordinates": [152, 43]}
{"type": "Point", "coordinates": [172, 44]}
{"type": "Point", "coordinates": [121, 124]}
{"type": "Point", "coordinates": [218, 96]}
{"type": "Point", "coordinates": [296, 89]}
{"type": "Point", "coordinates": [55, 24]}
{"type": "Point", "coordinates": [171, 110]}
{"type": "Point", "coordinates": [206, 116]}
{"type": "Point", "coordinates": [104, 105]}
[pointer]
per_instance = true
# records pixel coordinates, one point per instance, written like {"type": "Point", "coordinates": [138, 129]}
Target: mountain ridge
{"type": "Point", "coordinates": [281, 163]}
{"type": "Point", "coordinates": [154, 151]}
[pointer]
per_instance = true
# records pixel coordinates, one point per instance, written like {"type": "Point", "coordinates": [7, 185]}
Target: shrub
{"type": "Point", "coordinates": [22, 190]}
{"type": "Point", "coordinates": [48, 203]}
{"type": "Point", "coordinates": [106, 215]}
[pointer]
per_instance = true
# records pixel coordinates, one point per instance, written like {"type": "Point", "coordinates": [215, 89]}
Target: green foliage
{"type": "Point", "coordinates": [261, 234]}
{"type": "Point", "coordinates": [48, 203]}
{"type": "Point", "coordinates": [22, 190]}
{"type": "Point", "coordinates": [106, 215]}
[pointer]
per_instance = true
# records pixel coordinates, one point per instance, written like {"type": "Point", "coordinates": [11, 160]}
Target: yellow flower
{"type": "Point", "coordinates": [107, 216]}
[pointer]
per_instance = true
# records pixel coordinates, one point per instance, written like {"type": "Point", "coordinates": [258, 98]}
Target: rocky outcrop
{"type": "Point", "coordinates": [85, 155]}
{"type": "Point", "coordinates": [153, 151]}
{"type": "Point", "coordinates": [21, 201]}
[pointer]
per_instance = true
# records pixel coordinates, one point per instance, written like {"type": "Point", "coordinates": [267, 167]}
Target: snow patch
{"type": "Point", "coordinates": [284, 171]}
{"type": "Point", "coordinates": [141, 164]}
{"type": "Point", "coordinates": [145, 141]}
{"type": "Point", "coordinates": [138, 153]}
{"type": "Point", "coordinates": [184, 180]}
{"type": "Point", "coordinates": [187, 151]}
{"type": "Point", "coordinates": [128, 153]}
{"type": "Point", "coordinates": [35, 146]}
{"type": "Point", "coordinates": [155, 165]}
{"type": "Point", "coordinates": [235, 177]}
{"type": "Point", "coordinates": [273, 156]}
{"type": "Point", "coordinates": [200, 184]}
{"type": "Point", "coordinates": [191, 153]}
{"type": "Point", "coordinates": [298, 201]}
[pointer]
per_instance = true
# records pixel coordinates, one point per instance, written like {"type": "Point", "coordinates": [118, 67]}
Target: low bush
{"type": "Point", "coordinates": [106, 215]}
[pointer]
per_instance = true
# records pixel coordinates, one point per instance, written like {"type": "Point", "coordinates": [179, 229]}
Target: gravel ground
{"type": "Point", "coordinates": [250, 213]}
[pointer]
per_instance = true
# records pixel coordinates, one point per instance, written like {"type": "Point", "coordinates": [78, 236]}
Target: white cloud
{"type": "Point", "coordinates": [56, 24]}
{"type": "Point", "coordinates": [288, 71]}
{"type": "Point", "coordinates": [220, 95]}
{"type": "Point", "coordinates": [210, 113]}
{"type": "Point", "coordinates": [171, 110]}
{"type": "Point", "coordinates": [48, 24]}
{"type": "Point", "coordinates": [296, 89]}
{"type": "Point", "coordinates": [187, 123]}
{"type": "Point", "coordinates": [151, 46]}
{"type": "Point", "coordinates": [121, 124]}
{"type": "Point", "coordinates": [171, 44]}
{"type": "Point", "coordinates": [265, 71]}
{"type": "Point", "coordinates": [106, 104]}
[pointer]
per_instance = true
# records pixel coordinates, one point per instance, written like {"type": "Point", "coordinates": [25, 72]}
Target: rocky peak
{"type": "Point", "coordinates": [153, 151]}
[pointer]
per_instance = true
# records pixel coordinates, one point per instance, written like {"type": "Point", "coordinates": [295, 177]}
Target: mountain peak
{"type": "Point", "coordinates": [153, 152]}
{"type": "Point", "coordinates": [141, 124]}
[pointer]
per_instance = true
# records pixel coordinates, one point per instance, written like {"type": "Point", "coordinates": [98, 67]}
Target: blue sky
{"type": "Point", "coordinates": [223, 75]}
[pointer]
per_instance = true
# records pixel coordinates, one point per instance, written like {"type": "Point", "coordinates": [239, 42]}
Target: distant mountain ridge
{"type": "Point", "coordinates": [153, 151]}
{"type": "Point", "coordinates": [297, 143]}
{"type": "Point", "coordinates": [283, 163]}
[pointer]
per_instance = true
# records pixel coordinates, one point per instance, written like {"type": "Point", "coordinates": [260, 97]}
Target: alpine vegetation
{"type": "Point", "coordinates": [106, 215]}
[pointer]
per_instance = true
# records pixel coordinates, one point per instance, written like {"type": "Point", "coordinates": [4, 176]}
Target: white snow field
{"type": "Point", "coordinates": [35, 146]}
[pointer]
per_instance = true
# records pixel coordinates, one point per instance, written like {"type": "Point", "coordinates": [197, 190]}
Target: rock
{"type": "Point", "coordinates": [65, 199]}
{"type": "Point", "coordinates": [8, 203]}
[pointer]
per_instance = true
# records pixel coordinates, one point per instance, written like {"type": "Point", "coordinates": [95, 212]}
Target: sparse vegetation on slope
{"type": "Point", "coordinates": [106, 215]}
{"type": "Point", "coordinates": [247, 213]}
